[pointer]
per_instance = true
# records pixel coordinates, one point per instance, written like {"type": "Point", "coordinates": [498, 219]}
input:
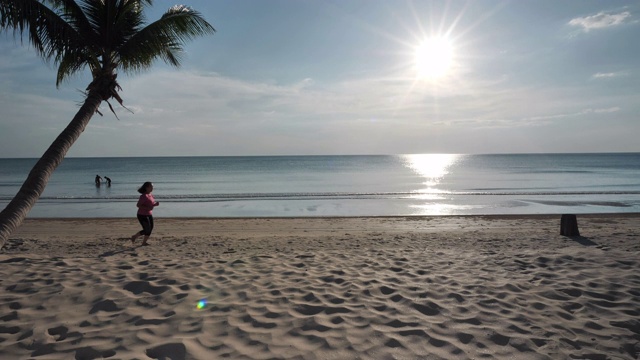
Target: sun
{"type": "Point", "coordinates": [433, 58]}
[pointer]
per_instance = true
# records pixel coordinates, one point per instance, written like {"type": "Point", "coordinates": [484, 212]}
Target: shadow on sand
{"type": "Point", "coordinates": [129, 249]}
{"type": "Point", "coordinates": [583, 240]}
{"type": "Point", "coordinates": [114, 252]}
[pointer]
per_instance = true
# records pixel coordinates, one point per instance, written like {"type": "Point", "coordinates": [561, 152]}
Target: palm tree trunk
{"type": "Point", "coordinates": [16, 211]}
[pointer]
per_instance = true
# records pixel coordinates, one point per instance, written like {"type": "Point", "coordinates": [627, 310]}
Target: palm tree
{"type": "Point", "coordinates": [103, 35]}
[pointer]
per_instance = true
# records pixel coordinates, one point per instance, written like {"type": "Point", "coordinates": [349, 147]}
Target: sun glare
{"type": "Point", "coordinates": [433, 58]}
{"type": "Point", "coordinates": [431, 166]}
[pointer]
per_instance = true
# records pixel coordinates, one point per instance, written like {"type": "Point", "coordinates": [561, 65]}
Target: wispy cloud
{"type": "Point", "coordinates": [607, 110]}
{"type": "Point", "coordinates": [608, 75]}
{"type": "Point", "coordinates": [601, 20]}
{"type": "Point", "coordinates": [573, 114]}
{"type": "Point", "coordinates": [206, 103]}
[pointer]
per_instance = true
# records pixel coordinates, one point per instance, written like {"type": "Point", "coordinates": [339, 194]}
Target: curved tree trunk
{"type": "Point", "coordinates": [16, 211]}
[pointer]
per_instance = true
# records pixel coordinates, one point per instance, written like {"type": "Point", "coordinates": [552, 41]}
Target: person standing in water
{"type": "Point", "coordinates": [146, 203]}
{"type": "Point", "coordinates": [108, 181]}
{"type": "Point", "coordinates": [98, 180]}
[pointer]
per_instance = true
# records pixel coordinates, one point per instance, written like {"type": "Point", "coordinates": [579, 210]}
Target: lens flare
{"type": "Point", "coordinates": [201, 304]}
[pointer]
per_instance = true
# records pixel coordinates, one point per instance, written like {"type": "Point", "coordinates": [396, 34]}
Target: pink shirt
{"type": "Point", "coordinates": [146, 204]}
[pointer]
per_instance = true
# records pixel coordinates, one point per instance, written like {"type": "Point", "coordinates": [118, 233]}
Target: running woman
{"type": "Point", "coordinates": [146, 203]}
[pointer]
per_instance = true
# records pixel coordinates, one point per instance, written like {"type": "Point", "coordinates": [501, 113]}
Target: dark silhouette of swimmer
{"type": "Point", "coordinates": [98, 180]}
{"type": "Point", "coordinates": [108, 181]}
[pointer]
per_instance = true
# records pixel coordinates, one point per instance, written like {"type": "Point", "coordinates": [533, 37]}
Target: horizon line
{"type": "Point", "coordinates": [326, 155]}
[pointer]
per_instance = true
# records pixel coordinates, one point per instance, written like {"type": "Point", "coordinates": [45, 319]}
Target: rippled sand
{"type": "Point", "coordinates": [323, 288]}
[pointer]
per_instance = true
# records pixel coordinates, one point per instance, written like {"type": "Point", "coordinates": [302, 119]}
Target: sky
{"type": "Point", "coordinates": [303, 77]}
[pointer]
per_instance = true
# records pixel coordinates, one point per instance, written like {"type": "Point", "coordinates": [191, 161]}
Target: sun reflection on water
{"type": "Point", "coordinates": [433, 167]}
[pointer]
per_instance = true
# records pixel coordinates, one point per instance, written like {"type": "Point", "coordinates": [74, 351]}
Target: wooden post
{"type": "Point", "coordinates": [569, 225]}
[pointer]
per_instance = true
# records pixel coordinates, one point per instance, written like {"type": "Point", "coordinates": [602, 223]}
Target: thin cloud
{"type": "Point", "coordinates": [608, 75]}
{"type": "Point", "coordinates": [608, 110]}
{"type": "Point", "coordinates": [601, 20]}
{"type": "Point", "coordinates": [574, 114]}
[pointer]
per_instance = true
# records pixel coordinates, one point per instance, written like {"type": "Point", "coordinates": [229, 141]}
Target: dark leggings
{"type": "Point", "coordinates": [147, 224]}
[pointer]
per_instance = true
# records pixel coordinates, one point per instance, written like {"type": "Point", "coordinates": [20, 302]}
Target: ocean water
{"type": "Point", "coordinates": [381, 185]}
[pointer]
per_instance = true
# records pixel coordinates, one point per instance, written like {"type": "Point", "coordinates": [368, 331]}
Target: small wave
{"type": "Point", "coordinates": [582, 203]}
{"type": "Point", "coordinates": [544, 193]}
{"type": "Point", "coordinates": [323, 195]}
{"type": "Point", "coordinates": [559, 171]}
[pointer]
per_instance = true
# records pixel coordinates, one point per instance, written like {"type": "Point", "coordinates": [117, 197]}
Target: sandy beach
{"type": "Point", "coordinates": [463, 287]}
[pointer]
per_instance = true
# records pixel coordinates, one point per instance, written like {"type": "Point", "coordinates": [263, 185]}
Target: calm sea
{"type": "Point", "coordinates": [280, 186]}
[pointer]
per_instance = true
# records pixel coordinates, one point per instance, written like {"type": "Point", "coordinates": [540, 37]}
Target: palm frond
{"type": "Point", "coordinates": [103, 35]}
{"type": "Point", "coordinates": [163, 39]}
{"type": "Point", "coordinates": [28, 16]}
{"type": "Point", "coordinates": [48, 28]}
{"type": "Point", "coordinates": [73, 13]}
{"type": "Point", "coordinates": [73, 62]}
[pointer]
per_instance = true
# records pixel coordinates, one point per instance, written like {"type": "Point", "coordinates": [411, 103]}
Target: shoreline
{"type": "Point", "coordinates": [428, 287]}
{"type": "Point", "coordinates": [523, 215]}
{"type": "Point", "coordinates": [349, 216]}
